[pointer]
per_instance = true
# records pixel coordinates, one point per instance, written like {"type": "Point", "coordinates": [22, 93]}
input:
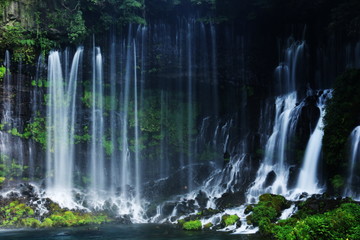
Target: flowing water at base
{"type": "Point", "coordinates": [124, 232]}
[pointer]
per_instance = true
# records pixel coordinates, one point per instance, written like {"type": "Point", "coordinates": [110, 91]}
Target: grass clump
{"type": "Point", "coordinates": [17, 214]}
{"type": "Point", "coordinates": [228, 220]}
{"type": "Point", "coordinates": [192, 225]}
{"type": "Point", "coordinates": [340, 223]}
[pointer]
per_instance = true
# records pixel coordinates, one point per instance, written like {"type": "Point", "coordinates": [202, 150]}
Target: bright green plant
{"type": "Point", "coordinates": [108, 146]}
{"type": "Point", "coordinates": [2, 72]}
{"type": "Point", "coordinates": [192, 225]}
{"type": "Point", "coordinates": [37, 131]}
{"type": "Point", "coordinates": [228, 220]}
{"type": "Point", "coordinates": [340, 223]}
{"type": "Point", "coordinates": [15, 37]}
{"type": "Point", "coordinates": [77, 28]}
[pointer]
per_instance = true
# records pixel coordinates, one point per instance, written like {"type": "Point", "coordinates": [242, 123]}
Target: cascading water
{"type": "Point", "coordinates": [352, 184]}
{"type": "Point", "coordinates": [308, 181]}
{"type": "Point", "coordinates": [60, 128]}
{"type": "Point", "coordinates": [275, 160]}
{"type": "Point", "coordinates": [6, 112]}
{"type": "Point", "coordinates": [97, 165]}
{"type": "Point", "coordinates": [190, 86]}
{"type": "Point", "coordinates": [273, 173]}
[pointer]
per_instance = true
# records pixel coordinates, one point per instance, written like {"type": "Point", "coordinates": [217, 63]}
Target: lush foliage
{"type": "Point", "coordinates": [37, 131]}
{"type": "Point", "coordinates": [17, 214]}
{"type": "Point", "coordinates": [267, 210]}
{"type": "Point", "coordinates": [16, 37]}
{"type": "Point", "coordinates": [192, 225]}
{"type": "Point", "coordinates": [228, 220]}
{"type": "Point", "coordinates": [342, 116]}
{"type": "Point", "coordinates": [14, 214]}
{"type": "Point", "coordinates": [341, 223]}
{"type": "Point", "coordinates": [2, 72]}
{"type": "Point", "coordinates": [10, 168]}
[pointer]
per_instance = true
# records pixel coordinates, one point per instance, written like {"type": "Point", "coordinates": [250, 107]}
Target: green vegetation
{"type": "Point", "coordinates": [14, 214]}
{"type": "Point", "coordinates": [40, 83]}
{"type": "Point", "coordinates": [267, 210]}
{"type": "Point", "coordinates": [316, 218]}
{"type": "Point", "coordinates": [342, 116]}
{"type": "Point", "coordinates": [83, 137]}
{"type": "Point", "coordinates": [17, 214]}
{"type": "Point", "coordinates": [37, 131]}
{"type": "Point", "coordinates": [341, 223]}
{"type": "Point", "coordinates": [16, 37]}
{"type": "Point", "coordinates": [228, 220]}
{"type": "Point", "coordinates": [192, 225]}
{"type": "Point", "coordinates": [10, 168]}
{"type": "Point", "coordinates": [108, 146]}
{"type": "Point", "coordinates": [2, 72]}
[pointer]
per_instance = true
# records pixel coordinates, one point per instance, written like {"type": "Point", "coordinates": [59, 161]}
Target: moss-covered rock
{"type": "Point", "coordinates": [340, 223]}
{"type": "Point", "coordinates": [19, 214]}
{"type": "Point", "coordinates": [267, 210]}
{"type": "Point", "coordinates": [277, 202]}
{"type": "Point", "coordinates": [192, 225]}
{"type": "Point", "coordinates": [342, 116]}
{"type": "Point", "coordinates": [228, 220]}
{"type": "Point", "coordinates": [208, 225]}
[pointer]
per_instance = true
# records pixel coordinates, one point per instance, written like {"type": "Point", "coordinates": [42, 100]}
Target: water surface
{"type": "Point", "coordinates": [123, 232]}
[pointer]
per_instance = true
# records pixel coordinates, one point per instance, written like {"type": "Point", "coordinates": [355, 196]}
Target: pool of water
{"type": "Point", "coordinates": [114, 232]}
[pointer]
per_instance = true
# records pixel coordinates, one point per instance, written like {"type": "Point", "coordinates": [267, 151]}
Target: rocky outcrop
{"type": "Point", "coordinates": [21, 11]}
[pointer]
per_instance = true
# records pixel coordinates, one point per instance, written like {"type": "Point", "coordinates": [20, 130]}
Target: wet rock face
{"type": "Point", "coordinates": [177, 183]}
{"type": "Point", "coordinates": [308, 119]}
{"type": "Point", "coordinates": [270, 178]}
{"type": "Point", "coordinates": [202, 199]}
{"type": "Point", "coordinates": [230, 199]}
{"type": "Point", "coordinates": [20, 11]}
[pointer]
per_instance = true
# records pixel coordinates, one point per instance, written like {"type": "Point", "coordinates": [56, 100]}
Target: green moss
{"type": "Point", "coordinates": [47, 222]}
{"type": "Point", "coordinates": [17, 38]}
{"type": "Point", "coordinates": [87, 98]}
{"type": "Point", "coordinates": [337, 182]}
{"type": "Point", "coordinates": [2, 72]}
{"type": "Point", "coordinates": [30, 222]}
{"type": "Point", "coordinates": [181, 222]}
{"type": "Point", "coordinates": [342, 116]}
{"type": "Point", "coordinates": [208, 225]}
{"type": "Point", "coordinates": [266, 211]}
{"type": "Point", "coordinates": [341, 223]}
{"type": "Point", "coordinates": [192, 225]}
{"type": "Point", "coordinates": [15, 213]}
{"type": "Point", "coordinates": [228, 220]}
{"type": "Point", "coordinates": [19, 215]}
{"type": "Point", "coordinates": [277, 202]}
{"type": "Point", "coordinates": [40, 83]}
{"type": "Point", "coordinates": [37, 131]}
{"type": "Point", "coordinates": [10, 168]}
{"type": "Point", "coordinates": [108, 146]}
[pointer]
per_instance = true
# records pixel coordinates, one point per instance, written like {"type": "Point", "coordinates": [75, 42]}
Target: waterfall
{"type": "Point", "coordinates": [215, 91]}
{"type": "Point", "coordinates": [97, 166]}
{"type": "Point", "coordinates": [6, 113]}
{"type": "Point", "coordinates": [36, 108]}
{"type": "Point", "coordinates": [273, 173]}
{"type": "Point", "coordinates": [137, 135]}
{"type": "Point", "coordinates": [189, 46]}
{"type": "Point", "coordinates": [352, 184]}
{"type": "Point", "coordinates": [308, 181]}
{"type": "Point", "coordinates": [114, 180]}
{"type": "Point", "coordinates": [275, 164]}
{"type": "Point", "coordinates": [60, 128]}
{"type": "Point", "coordinates": [125, 155]}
